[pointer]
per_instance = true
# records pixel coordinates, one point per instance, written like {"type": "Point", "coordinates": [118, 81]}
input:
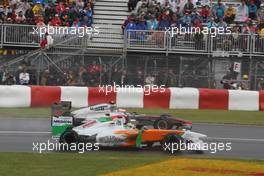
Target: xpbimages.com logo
{"type": "Point", "coordinates": [147, 89]}
{"type": "Point", "coordinates": [49, 146]}
{"type": "Point", "coordinates": [213, 31]}
{"type": "Point", "coordinates": [212, 147]}
{"type": "Point", "coordinates": [63, 30]}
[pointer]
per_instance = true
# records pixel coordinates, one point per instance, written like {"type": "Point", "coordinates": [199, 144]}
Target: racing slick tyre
{"type": "Point", "coordinates": [69, 137]}
{"type": "Point", "coordinates": [162, 124]}
{"type": "Point", "coordinates": [172, 143]}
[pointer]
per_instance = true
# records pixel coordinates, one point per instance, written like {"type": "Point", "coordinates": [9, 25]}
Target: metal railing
{"type": "Point", "coordinates": [19, 35]}
{"type": "Point", "coordinates": [163, 42]}
{"type": "Point", "coordinates": [146, 40]}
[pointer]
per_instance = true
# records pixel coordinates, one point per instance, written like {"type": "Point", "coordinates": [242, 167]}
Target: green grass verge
{"type": "Point", "coordinates": [197, 116]}
{"type": "Point", "coordinates": [64, 164]}
{"type": "Point", "coordinates": [69, 164]}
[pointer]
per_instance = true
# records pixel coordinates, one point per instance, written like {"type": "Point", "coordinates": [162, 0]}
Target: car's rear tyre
{"type": "Point", "coordinates": [172, 143]}
{"type": "Point", "coordinates": [162, 124]}
{"type": "Point", "coordinates": [69, 137]}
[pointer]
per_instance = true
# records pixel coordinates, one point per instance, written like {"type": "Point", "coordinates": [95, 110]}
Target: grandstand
{"type": "Point", "coordinates": [134, 44]}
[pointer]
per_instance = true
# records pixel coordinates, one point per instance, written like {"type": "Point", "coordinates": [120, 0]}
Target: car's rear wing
{"type": "Point", "coordinates": [62, 108]}
{"type": "Point", "coordinates": [61, 118]}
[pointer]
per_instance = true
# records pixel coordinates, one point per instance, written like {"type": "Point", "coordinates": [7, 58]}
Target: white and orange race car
{"type": "Point", "coordinates": [115, 133]}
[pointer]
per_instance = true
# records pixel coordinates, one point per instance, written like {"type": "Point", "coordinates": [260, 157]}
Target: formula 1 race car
{"type": "Point", "coordinates": [115, 133]}
{"type": "Point", "coordinates": [62, 112]}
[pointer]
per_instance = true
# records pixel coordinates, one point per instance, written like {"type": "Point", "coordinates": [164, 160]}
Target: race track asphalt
{"type": "Point", "coordinates": [247, 142]}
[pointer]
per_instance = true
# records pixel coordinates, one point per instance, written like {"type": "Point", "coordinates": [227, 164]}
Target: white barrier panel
{"type": "Point", "coordinates": [15, 96]}
{"type": "Point", "coordinates": [184, 98]}
{"type": "Point", "coordinates": [77, 95]}
{"type": "Point", "coordinates": [130, 97]}
{"type": "Point", "coordinates": [243, 100]}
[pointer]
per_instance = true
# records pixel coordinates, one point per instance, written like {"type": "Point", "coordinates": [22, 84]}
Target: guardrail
{"type": "Point", "coordinates": [224, 44]}
{"type": "Point", "coordinates": [20, 35]}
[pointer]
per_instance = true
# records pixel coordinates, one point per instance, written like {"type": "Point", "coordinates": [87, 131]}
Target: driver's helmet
{"type": "Point", "coordinates": [112, 106]}
{"type": "Point", "coordinates": [119, 121]}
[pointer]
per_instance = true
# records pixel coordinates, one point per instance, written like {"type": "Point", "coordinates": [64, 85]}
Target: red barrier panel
{"type": "Point", "coordinates": [213, 99]}
{"type": "Point", "coordinates": [158, 98]}
{"type": "Point", "coordinates": [44, 95]}
{"type": "Point", "coordinates": [261, 100]}
{"type": "Point", "coordinates": [98, 95]}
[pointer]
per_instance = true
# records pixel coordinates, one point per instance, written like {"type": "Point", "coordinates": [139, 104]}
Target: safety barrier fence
{"type": "Point", "coordinates": [221, 45]}
{"type": "Point", "coordinates": [170, 98]}
{"type": "Point", "coordinates": [19, 35]}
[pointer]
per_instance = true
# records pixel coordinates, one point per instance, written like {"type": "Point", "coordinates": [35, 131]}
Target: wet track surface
{"type": "Point", "coordinates": [247, 142]}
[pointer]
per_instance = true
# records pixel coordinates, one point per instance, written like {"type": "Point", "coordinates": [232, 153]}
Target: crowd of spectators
{"type": "Point", "coordinates": [92, 74]}
{"type": "Point", "coordinates": [164, 14]}
{"type": "Point", "coordinates": [71, 13]}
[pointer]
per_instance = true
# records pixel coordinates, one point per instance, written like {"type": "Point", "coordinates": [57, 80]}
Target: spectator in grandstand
{"type": "Point", "coordinates": [8, 78]}
{"type": "Point", "coordinates": [164, 22]}
{"type": "Point", "coordinates": [55, 21]}
{"type": "Point", "coordinates": [175, 22]}
{"type": "Point", "coordinates": [150, 79]}
{"type": "Point", "coordinates": [143, 9]}
{"type": "Point", "coordinates": [260, 12]}
{"type": "Point", "coordinates": [198, 39]}
{"type": "Point", "coordinates": [219, 10]}
{"type": "Point", "coordinates": [221, 23]}
{"type": "Point", "coordinates": [230, 14]}
{"type": "Point", "coordinates": [211, 23]}
{"type": "Point", "coordinates": [141, 25]}
{"type": "Point", "coordinates": [23, 6]}
{"type": "Point", "coordinates": [205, 13]}
{"type": "Point", "coordinates": [242, 12]}
{"type": "Point", "coordinates": [260, 85]}
{"type": "Point", "coordinates": [47, 41]}
{"type": "Point", "coordinates": [24, 77]}
{"type": "Point", "coordinates": [60, 7]}
{"type": "Point", "coordinates": [38, 9]}
{"type": "Point", "coordinates": [235, 38]}
{"type": "Point", "coordinates": [172, 78]}
{"type": "Point", "coordinates": [29, 15]}
{"type": "Point", "coordinates": [127, 21]}
{"type": "Point", "coordinates": [186, 20]}
{"type": "Point", "coordinates": [71, 79]}
{"type": "Point", "coordinates": [139, 79]}
{"type": "Point", "coordinates": [44, 79]}
{"type": "Point", "coordinates": [188, 7]}
{"type": "Point", "coordinates": [20, 18]}
{"type": "Point", "coordinates": [152, 23]}
{"type": "Point", "coordinates": [50, 12]}
{"type": "Point", "coordinates": [130, 26]}
{"type": "Point", "coordinates": [249, 28]}
{"type": "Point", "coordinates": [94, 69]}
{"type": "Point", "coordinates": [178, 12]}
{"type": "Point", "coordinates": [244, 84]}
{"type": "Point", "coordinates": [131, 4]}
{"type": "Point", "coordinates": [83, 76]}
{"type": "Point", "coordinates": [124, 78]}
{"type": "Point", "coordinates": [260, 25]}
{"type": "Point", "coordinates": [173, 5]}
{"type": "Point", "coordinates": [86, 22]}
{"type": "Point", "coordinates": [227, 81]}
{"type": "Point", "coordinates": [252, 10]}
